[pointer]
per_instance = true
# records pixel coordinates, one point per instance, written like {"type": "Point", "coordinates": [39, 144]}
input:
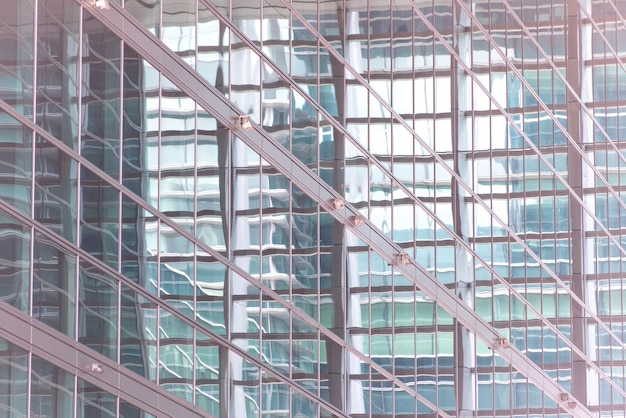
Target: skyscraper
{"type": "Point", "coordinates": [303, 208]}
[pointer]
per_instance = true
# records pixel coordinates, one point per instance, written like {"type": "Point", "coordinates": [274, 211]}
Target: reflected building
{"type": "Point", "coordinates": [424, 220]}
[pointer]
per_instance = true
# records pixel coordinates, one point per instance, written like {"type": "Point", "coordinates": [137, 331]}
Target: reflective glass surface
{"type": "Point", "coordinates": [485, 139]}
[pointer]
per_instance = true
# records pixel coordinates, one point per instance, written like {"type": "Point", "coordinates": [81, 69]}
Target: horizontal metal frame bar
{"type": "Point", "coordinates": [57, 348]}
{"type": "Point", "coordinates": [191, 83]}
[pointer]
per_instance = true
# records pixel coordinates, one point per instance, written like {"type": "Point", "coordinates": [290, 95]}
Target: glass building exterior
{"type": "Point", "coordinates": [424, 216]}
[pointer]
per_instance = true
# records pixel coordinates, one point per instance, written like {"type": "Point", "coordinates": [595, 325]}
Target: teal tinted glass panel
{"type": "Point", "coordinates": [14, 369]}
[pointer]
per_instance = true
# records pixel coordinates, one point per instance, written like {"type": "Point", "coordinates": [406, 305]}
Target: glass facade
{"type": "Point", "coordinates": [423, 219]}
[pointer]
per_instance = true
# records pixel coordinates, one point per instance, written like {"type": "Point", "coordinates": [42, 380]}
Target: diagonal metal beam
{"type": "Point", "coordinates": [213, 101]}
{"type": "Point", "coordinates": [64, 352]}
